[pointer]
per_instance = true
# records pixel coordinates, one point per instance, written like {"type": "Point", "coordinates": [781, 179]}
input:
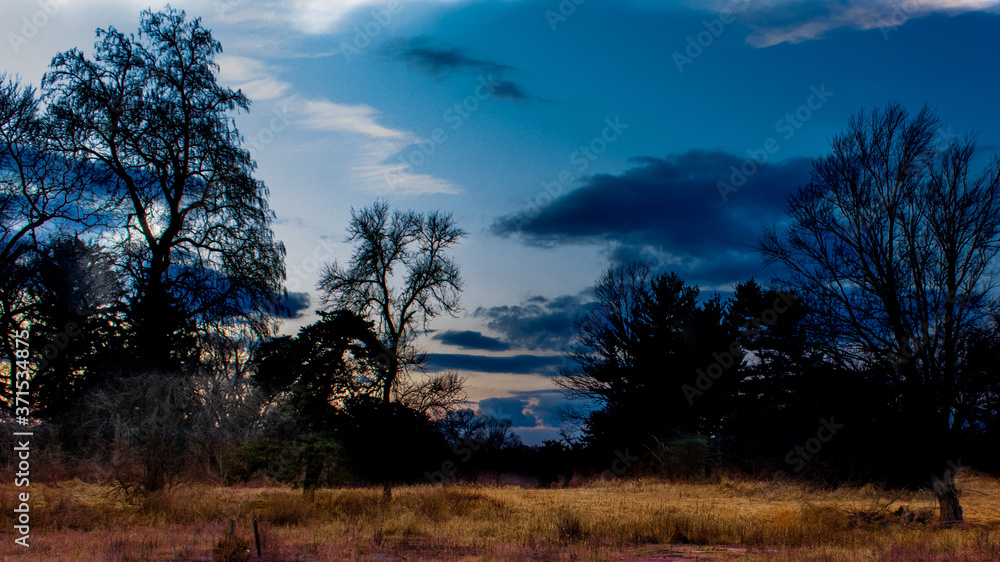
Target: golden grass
{"type": "Point", "coordinates": [630, 520]}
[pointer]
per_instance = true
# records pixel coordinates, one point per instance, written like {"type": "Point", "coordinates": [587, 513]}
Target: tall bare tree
{"type": "Point", "coordinates": [401, 277]}
{"type": "Point", "coordinates": [193, 223]}
{"type": "Point", "coordinates": [893, 244]}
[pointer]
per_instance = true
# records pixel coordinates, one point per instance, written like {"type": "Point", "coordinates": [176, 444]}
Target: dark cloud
{"type": "Point", "coordinates": [517, 364]}
{"type": "Point", "coordinates": [293, 305]}
{"type": "Point", "coordinates": [504, 89]}
{"type": "Point", "coordinates": [549, 403]}
{"type": "Point", "coordinates": [439, 61]}
{"type": "Point", "coordinates": [538, 322]}
{"type": "Point", "coordinates": [198, 285]}
{"type": "Point", "coordinates": [669, 210]}
{"type": "Point", "coordinates": [512, 409]}
{"type": "Point", "coordinates": [470, 339]}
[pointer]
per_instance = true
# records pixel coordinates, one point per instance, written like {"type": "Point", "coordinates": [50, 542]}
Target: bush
{"type": "Point", "coordinates": [232, 548]}
{"type": "Point", "coordinates": [687, 457]}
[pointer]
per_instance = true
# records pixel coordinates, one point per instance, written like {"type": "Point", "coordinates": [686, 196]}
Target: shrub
{"type": "Point", "coordinates": [231, 548]}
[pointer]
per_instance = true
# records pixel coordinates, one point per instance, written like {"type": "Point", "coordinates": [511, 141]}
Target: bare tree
{"type": "Point", "coordinates": [372, 285]}
{"type": "Point", "coordinates": [434, 396]}
{"type": "Point", "coordinates": [401, 277]}
{"type": "Point", "coordinates": [142, 425]}
{"type": "Point", "coordinates": [893, 245]}
{"type": "Point", "coordinates": [609, 335]}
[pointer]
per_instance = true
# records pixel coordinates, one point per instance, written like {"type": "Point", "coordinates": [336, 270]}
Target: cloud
{"type": "Point", "coordinates": [516, 364]}
{"type": "Point", "coordinates": [547, 405]}
{"type": "Point", "coordinates": [322, 16]}
{"type": "Point", "coordinates": [439, 62]}
{"type": "Point", "coordinates": [255, 78]}
{"type": "Point", "coordinates": [293, 305]}
{"type": "Point", "coordinates": [537, 323]}
{"type": "Point", "coordinates": [325, 115]}
{"type": "Point", "coordinates": [376, 145]}
{"type": "Point", "coordinates": [504, 89]}
{"type": "Point", "coordinates": [669, 211]}
{"type": "Point", "coordinates": [469, 339]}
{"type": "Point", "coordinates": [512, 409]}
{"type": "Point", "coordinates": [382, 176]}
{"type": "Point", "coordinates": [793, 21]}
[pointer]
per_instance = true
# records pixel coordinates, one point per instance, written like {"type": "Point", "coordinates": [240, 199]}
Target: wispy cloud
{"type": "Point", "coordinates": [376, 169]}
{"type": "Point", "coordinates": [374, 143]}
{"type": "Point", "coordinates": [779, 21]}
{"type": "Point", "coordinates": [322, 16]}
{"type": "Point", "coordinates": [325, 115]}
{"type": "Point", "coordinates": [255, 78]}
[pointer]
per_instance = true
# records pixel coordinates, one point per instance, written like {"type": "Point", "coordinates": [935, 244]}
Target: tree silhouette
{"type": "Point", "coordinates": [642, 347]}
{"type": "Point", "coordinates": [892, 245]}
{"type": "Point", "coordinates": [192, 224]}
{"type": "Point", "coordinates": [78, 321]}
{"type": "Point", "coordinates": [328, 364]}
{"type": "Point", "coordinates": [372, 285]}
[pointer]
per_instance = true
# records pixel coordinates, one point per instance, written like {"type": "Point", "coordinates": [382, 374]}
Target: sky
{"type": "Point", "coordinates": [565, 136]}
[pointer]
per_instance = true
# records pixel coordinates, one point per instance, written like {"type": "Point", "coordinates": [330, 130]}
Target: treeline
{"type": "Point", "coordinates": [687, 386]}
{"type": "Point", "coordinates": [871, 358]}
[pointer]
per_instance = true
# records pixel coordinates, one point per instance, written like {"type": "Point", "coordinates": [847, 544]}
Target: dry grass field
{"type": "Point", "coordinates": [623, 520]}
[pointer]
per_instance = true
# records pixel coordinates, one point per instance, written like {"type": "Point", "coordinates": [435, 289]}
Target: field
{"type": "Point", "coordinates": [620, 520]}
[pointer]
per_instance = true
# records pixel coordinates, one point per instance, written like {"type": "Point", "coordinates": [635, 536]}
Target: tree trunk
{"type": "Point", "coordinates": [390, 379]}
{"type": "Point", "coordinates": [314, 468]}
{"type": "Point", "coordinates": [947, 496]}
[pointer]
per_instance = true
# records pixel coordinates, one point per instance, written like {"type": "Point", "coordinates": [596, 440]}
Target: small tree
{"type": "Point", "coordinates": [399, 275]}
{"type": "Point", "coordinates": [315, 374]}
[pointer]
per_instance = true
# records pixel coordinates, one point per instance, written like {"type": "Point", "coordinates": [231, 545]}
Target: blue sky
{"type": "Point", "coordinates": [564, 135]}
